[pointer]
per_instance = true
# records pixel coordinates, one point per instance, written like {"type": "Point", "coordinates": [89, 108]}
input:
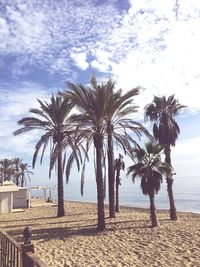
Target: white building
{"type": "Point", "coordinates": [12, 196]}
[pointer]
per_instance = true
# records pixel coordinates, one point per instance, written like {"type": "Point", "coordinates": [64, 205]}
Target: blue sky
{"type": "Point", "coordinates": [44, 44]}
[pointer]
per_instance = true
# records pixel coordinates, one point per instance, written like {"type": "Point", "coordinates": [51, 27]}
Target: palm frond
{"type": "Point", "coordinates": [42, 142]}
{"type": "Point", "coordinates": [69, 165]}
{"type": "Point", "coordinates": [162, 111]}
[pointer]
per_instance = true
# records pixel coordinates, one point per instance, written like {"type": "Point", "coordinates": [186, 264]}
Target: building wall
{"type": "Point", "coordinates": [20, 198]}
{"type": "Point", "coordinates": [6, 202]}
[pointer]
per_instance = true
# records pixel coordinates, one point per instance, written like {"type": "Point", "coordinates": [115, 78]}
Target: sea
{"type": "Point", "coordinates": [186, 193]}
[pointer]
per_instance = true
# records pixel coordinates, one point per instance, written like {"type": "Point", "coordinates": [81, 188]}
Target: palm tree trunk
{"type": "Point", "coordinates": [153, 215]}
{"type": "Point", "coordinates": [17, 175]}
{"type": "Point", "coordinates": [61, 208]}
{"type": "Point", "coordinates": [4, 176]}
{"type": "Point", "coordinates": [22, 181]}
{"type": "Point", "coordinates": [111, 176]}
{"type": "Point", "coordinates": [98, 143]}
{"type": "Point", "coordinates": [117, 190]}
{"type": "Point", "coordinates": [169, 181]}
{"type": "Point", "coordinates": [173, 213]}
{"type": "Point", "coordinates": [17, 181]}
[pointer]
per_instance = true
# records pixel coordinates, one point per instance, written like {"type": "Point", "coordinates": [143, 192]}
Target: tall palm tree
{"type": "Point", "coordinates": [24, 173]}
{"type": "Point", "coordinates": [53, 119]}
{"type": "Point", "coordinates": [119, 165]}
{"type": "Point", "coordinates": [149, 167]}
{"type": "Point", "coordinates": [91, 130]}
{"type": "Point", "coordinates": [119, 128]}
{"type": "Point", "coordinates": [162, 112]}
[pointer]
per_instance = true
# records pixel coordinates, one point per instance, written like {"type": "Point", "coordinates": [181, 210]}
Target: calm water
{"type": "Point", "coordinates": [186, 194]}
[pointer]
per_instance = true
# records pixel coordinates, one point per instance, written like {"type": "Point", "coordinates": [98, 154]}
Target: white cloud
{"type": "Point", "coordinates": [99, 66]}
{"type": "Point", "coordinates": [20, 98]}
{"type": "Point", "coordinates": [44, 33]}
{"type": "Point", "coordinates": [101, 61]}
{"type": "Point", "coordinates": [80, 60]}
{"type": "Point", "coordinates": [164, 55]}
{"type": "Point", "coordinates": [4, 33]}
{"type": "Point", "coordinates": [154, 44]}
{"type": "Point", "coordinates": [15, 105]}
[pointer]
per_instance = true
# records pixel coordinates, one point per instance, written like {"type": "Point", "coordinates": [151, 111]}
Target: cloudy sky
{"type": "Point", "coordinates": [150, 43]}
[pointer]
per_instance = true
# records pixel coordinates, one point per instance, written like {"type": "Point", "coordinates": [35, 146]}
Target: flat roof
{"type": "Point", "coordinates": [4, 189]}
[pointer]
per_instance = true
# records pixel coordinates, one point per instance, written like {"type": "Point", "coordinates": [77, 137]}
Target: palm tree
{"type": "Point", "coordinates": [24, 173]}
{"type": "Point", "coordinates": [16, 163]}
{"type": "Point", "coordinates": [119, 128]}
{"type": "Point", "coordinates": [6, 169]}
{"type": "Point", "coordinates": [149, 167]}
{"type": "Point", "coordinates": [162, 112]}
{"type": "Point", "coordinates": [53, 119]}
{"type": "Point", "coordinates": [91, 129]}
{"type": "Point", "coordinates": [119, 165]}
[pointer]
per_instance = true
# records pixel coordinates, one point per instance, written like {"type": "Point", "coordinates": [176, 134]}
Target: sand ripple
{"type": "Point", "coordinates": [128, 241]}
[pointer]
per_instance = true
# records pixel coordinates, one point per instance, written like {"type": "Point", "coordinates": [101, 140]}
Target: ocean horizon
{"type": "Point", "coordinates": [186, 194]}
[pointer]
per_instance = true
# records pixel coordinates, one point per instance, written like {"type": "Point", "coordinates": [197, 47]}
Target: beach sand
{"type": "Point", "coordinates": [128, 240]}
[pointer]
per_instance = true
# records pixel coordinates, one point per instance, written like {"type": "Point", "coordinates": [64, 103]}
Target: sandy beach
{"type": "Point", "coordinates": [128, 241]}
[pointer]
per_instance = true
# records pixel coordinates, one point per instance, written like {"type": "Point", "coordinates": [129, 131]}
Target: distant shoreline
{"type": "Point", "coordinates": [186, 194]}
{"type": "Point", "coordinates": [122, 206]}
{"type": "Point", "coordinates": [133, 207]}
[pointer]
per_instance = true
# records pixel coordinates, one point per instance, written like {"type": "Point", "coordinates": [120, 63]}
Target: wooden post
{"type": "Point", "coordinates": [27, 247]}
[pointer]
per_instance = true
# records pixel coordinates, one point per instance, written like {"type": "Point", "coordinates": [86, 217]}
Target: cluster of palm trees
{"type": "Point", "coordinates": [98, 116]}
{"type": "Point", "coordinates": [14, 170]}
